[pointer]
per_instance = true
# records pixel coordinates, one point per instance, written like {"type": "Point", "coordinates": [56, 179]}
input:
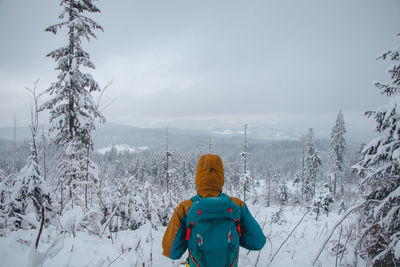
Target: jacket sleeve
{"type": "Point", "coordinates": [174, 241]}
{"type": "Point", "coordinates": [253, 237]}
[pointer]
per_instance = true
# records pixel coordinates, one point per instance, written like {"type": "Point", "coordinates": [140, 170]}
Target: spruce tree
{"type": "Point", "coordinates": [246, 180]}
{"type": "Point", "coordinates": [29, 190]}
{"type": "Point", "coordinates": [322, 201]}
{"type": "Point", "coordinates": [312, 164]}
{"type": "Point", "coordinates": [4, 195]}
{"type": "Point", "coordinates": [71, 105]}
{"type": "Point", "coordinates": [379, 170]}
{"type": "Point", "coordinates": [337, 152]}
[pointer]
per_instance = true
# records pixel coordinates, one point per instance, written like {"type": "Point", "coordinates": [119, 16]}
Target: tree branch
{"type": "Point", "coordinates": [334, 228]}
{"type": "Point", "coordinates": [276, 252]}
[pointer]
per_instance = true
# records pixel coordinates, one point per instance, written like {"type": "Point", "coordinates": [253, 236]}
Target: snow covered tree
{"type": "Point", "coordinates": [246, 183]}
{"type": "Point", "coordinates": [29, 193]}
{"type": "Point", "coordinates": [29, 190]}
{"type": "Point", "coordinates": [232, 180]}
{"type": "Point", "coordinates": [336, 153]}
{"type": "Point", "coordinates": [312, 164]}
{"type": "Point", "coordinates": [282, 193]}
{"type": "Point", "coordinates": [379, 170]}
{"type": "Point", "coordinates": [211, 145]}
{"type": "Point", "coordinates": [268, 189]}
{"type": "Point", "coordinates": [246, 180]}
{"type": "Point", "coordinates": [3, 197]}
{"type": "Point", "coordinates": [169, 172]}
{"type": "Point", "coordinates": [298, 177]}
{"type": "Point", "coordinates": [322, 201]}
{"type": "Point", "coordinates": [71, 105]}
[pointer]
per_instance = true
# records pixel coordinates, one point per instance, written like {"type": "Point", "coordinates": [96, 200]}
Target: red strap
{"type": "Point", "coordinates": [235, 260]}
{"type": "Point", "coordinates": [190, 254]}
{"type": "Point", "coordinates": [189, 229]}
{"type": "Point", "coordinates": [238, 227]}
{"type": "Point", "coordinates": [188, 233]}
{"type": "Point", "coordinates": [239, 230]}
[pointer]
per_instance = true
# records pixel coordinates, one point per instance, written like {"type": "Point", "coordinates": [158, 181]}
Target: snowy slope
{"type": "Point", "coordinates": [143, 246]}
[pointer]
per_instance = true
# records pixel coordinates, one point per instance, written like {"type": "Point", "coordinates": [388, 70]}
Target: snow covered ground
{"type": "Point", "coordinates": [143, 247]}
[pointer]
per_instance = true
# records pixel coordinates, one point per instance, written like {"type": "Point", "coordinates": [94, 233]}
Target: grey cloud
{"type": "Point", "coordinates": [218, 58]}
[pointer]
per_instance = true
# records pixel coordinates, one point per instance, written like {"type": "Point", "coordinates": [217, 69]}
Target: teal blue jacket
{"type": "Point", "coordinates": [174, 242]}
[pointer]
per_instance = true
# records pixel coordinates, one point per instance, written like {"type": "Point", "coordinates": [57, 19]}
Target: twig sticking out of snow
{"type": "Point", "coordinates": [36, 258]}
{"type": "Point", "coordinates": [115, 259]}
{"type": "Point", "coordinates": [358, 243]}
{"type": "Point", "coordinates": [349, 234]}
{"type": "Point", "coordinates": [276, 252]}
{"type": "Point", "coordinates": [40, 230]}
{"type": "Point", "coordinates": [259, 253]}
{"type": "Point", "coordinates": [338, 247]}
{"type": "Point", "coordinates": [269, 241]}
{"type": "Point", "coordinates": [339, 222]}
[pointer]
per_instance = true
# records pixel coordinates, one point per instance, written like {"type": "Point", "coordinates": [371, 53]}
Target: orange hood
{"type": "Point", "coordinates": [209, 176]}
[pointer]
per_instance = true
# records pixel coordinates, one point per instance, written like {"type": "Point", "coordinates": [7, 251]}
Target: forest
{"type": "Point", "coordinates": [66, 202]}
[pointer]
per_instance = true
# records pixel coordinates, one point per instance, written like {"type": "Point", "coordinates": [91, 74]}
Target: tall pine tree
{"type": "Point", "coordinates": [379, 170]}
{"type": "Point", "coordinates": [246, 181]}
{"type": "Point", "coordinates": [312, 164]}
{"type": "Point", "coordinates": [336, 153]}
{"type": "Point", "coordinates": [71, 105]}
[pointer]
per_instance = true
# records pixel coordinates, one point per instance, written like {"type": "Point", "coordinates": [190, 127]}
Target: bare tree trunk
{"type": "Point", "coordinates": [15, 145]}
{"type": "Point", "coordinates": [166, 161]}
{"type": "Point", "coordinates": [87, 177]}
{"type": "Point", "coordinates": [338, 246]}
{"type": "Point", "coordinates": [44, 157]}
{"type": "Point", "coordinates": [302, 170]}
{"type": "Point", "coordinates": [41, 229]}
{"type": "Point", "coordinates": [341, 185]}
{"type": "Point", "coordinates": [314, 184]}
{"type": "Point", "coordinates": [334, 184]}
{"type": "Point", "coordinates": [71, 179]}
{"type": "Point", "coordinates": [269, 190]}
{"type": "Point", "coordinates": [61, 196]}
{"type": "Point", "coordinates": [245, 163]}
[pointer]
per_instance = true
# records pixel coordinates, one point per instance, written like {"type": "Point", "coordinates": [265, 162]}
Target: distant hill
{"type": "Point", "coordinates": [155, 139]}
{"type": "Point", "coordinates": [282, 154]}
{"type": "Point", "coordinates": [109, 134]}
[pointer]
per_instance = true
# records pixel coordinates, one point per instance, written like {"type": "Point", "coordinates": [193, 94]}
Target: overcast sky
{"type": "Point", "coordinates": [207, 63]}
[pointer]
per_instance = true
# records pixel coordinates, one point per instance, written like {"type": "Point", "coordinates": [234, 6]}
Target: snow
{"type": "Point", "coordinates": [224, 132]}
{"type": "Point", "coordinates": [121, 148]}
{"type": "Point", "coordinates": [396, 154]}
{"type": "Point", "coordinates": [133, 248]}
{"type": "Point", "coordinates": [71, 218]}
{"type": "Point", "coordinates": [31, 219]}
{"type": "Point", "coordinates": [397, 250]}
{"type": "Point", "coordinates": [128, 248]}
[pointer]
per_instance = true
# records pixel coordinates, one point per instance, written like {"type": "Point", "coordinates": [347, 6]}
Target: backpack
{"type": "Point", "coordinates": [213, 232]}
